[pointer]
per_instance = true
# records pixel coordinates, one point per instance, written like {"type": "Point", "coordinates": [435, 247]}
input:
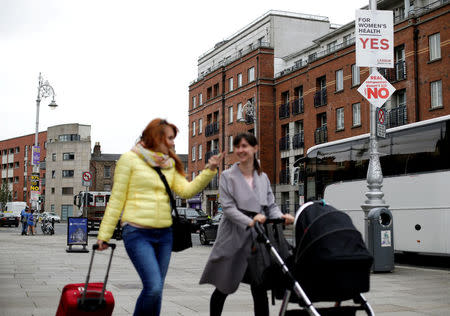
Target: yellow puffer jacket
{"type": "Point", "coordinates": [140, 193]}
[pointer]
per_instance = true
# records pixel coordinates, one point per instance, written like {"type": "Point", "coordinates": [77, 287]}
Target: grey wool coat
{"type": "Point", "coordinates": [227, 262]}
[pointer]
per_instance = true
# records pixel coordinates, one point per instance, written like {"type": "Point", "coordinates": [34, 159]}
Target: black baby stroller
{"type": "Point", "coordinates": [330, 263]}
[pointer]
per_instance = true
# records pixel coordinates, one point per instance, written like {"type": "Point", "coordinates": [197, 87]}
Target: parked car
{"type": "Point", "coordinates": [51, 215]}
{"type": "Point", "coordinates": [208, 232]}
{"type": "Point", "coordinates": [195, 216]}
{"type": "Point", "coordinates": [9, 219]}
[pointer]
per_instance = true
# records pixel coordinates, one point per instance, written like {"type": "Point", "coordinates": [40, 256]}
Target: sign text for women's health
{"type": "Point", "coordinates": [374, 32]}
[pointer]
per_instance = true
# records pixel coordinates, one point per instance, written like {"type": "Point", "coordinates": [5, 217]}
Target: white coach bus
{"type": "Point", "coordinates": [415, 161]}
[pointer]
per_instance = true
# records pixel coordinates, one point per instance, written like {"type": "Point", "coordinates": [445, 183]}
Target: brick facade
{"type": "Point", "coordinates": [16, 168]}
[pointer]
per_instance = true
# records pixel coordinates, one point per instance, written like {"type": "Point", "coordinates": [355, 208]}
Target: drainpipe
{"type": "Point", "coordinates": [223, 117]}
{"type": "Point", "coordinates": [416, 73]}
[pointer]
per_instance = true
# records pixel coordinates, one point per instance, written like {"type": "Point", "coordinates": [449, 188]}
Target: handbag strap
{"type": "Point", "coordinates": [169, 192]}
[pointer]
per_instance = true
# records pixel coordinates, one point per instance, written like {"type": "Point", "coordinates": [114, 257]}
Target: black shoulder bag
{"type": "Point", "coordinates": [181, 227]}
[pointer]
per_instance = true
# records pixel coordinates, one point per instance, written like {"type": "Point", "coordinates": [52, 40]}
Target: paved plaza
{"type": "Point", "coordinates": [34, 269]}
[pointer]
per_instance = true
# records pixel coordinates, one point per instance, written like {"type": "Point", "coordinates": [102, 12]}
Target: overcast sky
{"type": "Point", "coordinates": [115, 65]}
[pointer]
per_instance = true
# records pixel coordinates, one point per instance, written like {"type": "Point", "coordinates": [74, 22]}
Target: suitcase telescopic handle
{"type": "Point", "coordinates": [95, 247]}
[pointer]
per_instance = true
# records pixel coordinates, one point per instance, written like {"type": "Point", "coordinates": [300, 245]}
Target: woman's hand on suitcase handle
{"type": "Point", "coordinates": [258, 218]}
{"type": "Point", "coordinates": [288, 219]}
{"type": "Point", "coordinates": [102, 245]}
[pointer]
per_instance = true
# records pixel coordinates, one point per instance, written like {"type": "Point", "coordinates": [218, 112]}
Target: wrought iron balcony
{"type": "Point", "coordinates": [284, 111]}
{"type": "Point", "coordinates": [284, 143]}
{"type": "Point", "coordinates": [298, 141]}
{"type": "Point", "coordinates": [297, 106]}
{"type": "Point", "coordinates": [211, 153]}
{"type": "Point", "coordinates": [320, 98]}
{"type": "Point", "coordinates": [397, 116]}
{"type": "Point", "coordinates": [394, 74]}
{"type": "Point", "coordinates": [284, 176]}
{"type": "Point", "coordinates": [212, 129]}
{"type": "Point", "coordinates": [321, 135]}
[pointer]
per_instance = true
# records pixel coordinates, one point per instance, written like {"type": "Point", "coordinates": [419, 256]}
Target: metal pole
{"type": "Point", "coordinates": [374, 172]}
{"type": "Point", "coordinates": [36, 168]}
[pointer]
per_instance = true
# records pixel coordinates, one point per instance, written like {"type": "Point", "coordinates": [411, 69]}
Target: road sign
{"type": "Point", "coordinates": [374, 38]}
{"type": "Point", "coordinates": [381, 123]}
{"type": "Point", "coordinates": [86, 179]}
{"type": "Point", "coordinates": [376, 89]}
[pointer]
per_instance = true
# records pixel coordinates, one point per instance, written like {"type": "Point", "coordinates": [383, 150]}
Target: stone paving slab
{"type": "Point", "coordinates": [34, 269]}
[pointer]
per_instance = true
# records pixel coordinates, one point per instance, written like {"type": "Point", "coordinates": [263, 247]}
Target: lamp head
{"type": "Point", "coordinates": [53, 105]}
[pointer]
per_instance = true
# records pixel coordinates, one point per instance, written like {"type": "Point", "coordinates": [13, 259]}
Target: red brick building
{"type": "Point", "coordinates": [309, 96]}
{"type": "Point", "coordinates": [16, 167]}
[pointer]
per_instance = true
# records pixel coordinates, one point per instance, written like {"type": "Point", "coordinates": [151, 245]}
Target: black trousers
{"type": "Point", "coordinates": [260, 301]}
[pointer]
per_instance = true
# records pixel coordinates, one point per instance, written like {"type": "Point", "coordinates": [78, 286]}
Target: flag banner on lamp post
{"type": "Point", "coordinates": [36, 156]}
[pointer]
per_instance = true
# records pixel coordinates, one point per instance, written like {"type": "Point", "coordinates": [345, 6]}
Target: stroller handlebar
{"type": "Point", "coordinates": [260, 229]}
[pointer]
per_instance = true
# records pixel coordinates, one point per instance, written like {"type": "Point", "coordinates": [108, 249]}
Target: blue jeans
{"type": "Point", "coordinates": [149, 250]}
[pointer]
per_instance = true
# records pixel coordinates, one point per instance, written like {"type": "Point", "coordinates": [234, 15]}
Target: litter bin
{"type": "Point", "coordinates": [381, 239]}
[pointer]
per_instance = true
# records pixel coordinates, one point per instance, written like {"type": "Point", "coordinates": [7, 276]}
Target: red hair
{"type": "Point", "coordinates": [154, 134]}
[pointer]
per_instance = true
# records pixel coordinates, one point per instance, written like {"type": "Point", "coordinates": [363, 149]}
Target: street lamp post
{"type": "Point", "coordinates": [45, 90]}
{"type": "Point", "coordinates": [249, 110]}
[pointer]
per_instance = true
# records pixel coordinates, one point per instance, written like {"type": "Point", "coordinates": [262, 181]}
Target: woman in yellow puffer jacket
{"type": "Point", "coordinates": [139, 192]}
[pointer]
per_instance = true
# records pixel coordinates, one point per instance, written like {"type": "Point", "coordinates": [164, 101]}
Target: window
{"type": "Point", "coordinates": [193, 128]}
{"type": "Point", "coordinates": [230, 143]}
{"type": "Point", "coordinates": [339, 80]}
{"type": "Point", "coordinates": [107, 187]}
{"type": "Point", "coordinates": [17, 150]}
{"type": "Point", "coordinates": [68, 156]}
{"type": "Point", "coordinates": [340, 119]}
{"type": "Point", "coordinates": [194, 102]}
{"type": "Point", "coordinates": [436, 94]}
{"type": "Point", "coordinates": [356, 110]}
{"type": "Point", "coordinates": [331, 46]}
{"type": "Point", "coordinates": [200, 126]}
{"type": "Point", "coordinates": [355, 75]}
{"type": "Point", "coordinates": [107, 172]}
{"type": "Point", "coordinates": [54, 157]}
{"type": "Point", "coordinates": [200, 99]}
{"type": "Point", "coordinates": [193, 175]}
{"type": "Point", "coordinates": [216, 90]}
{"type": "Point", "coordinates": [53, 174]}
{"type": "Point", "coordinates": [53, 190]}
{"type": "Point", "coordinates": [239, 112]}
{"type": "Point", "coordinates": [230, 84]}
{"type": "Point", "coordinates": [69, 137]}
{"type": "Point", "coordinates": [67, 191]}
{"type": "Point", "coordinates": [208, 93]}
{"type": "Point", "coordinates": [52, 207]}
{"type": "Point", "coordinates": [16, 179]}
{"type": "Point", "coordinates": [16, 165]}
{"type": "Point", "coordinates": [399, 98]}
{"type": "Point", "coordinates": [251, 74]}
{"type": "Point", "coordinates": [200, 152]}
{"type": "Point", "coordinates": [193, 153]}
{"type": "Point", "coordinates": [239, 79]}
{"type": "Point", "coordinates": [346, 39]}
{"type": "Point", "coordinates": [230, 114]}
{"type": "Point", "coordinates": [67, 173]}
{"type": "Point", "coordinates": [434, 41]}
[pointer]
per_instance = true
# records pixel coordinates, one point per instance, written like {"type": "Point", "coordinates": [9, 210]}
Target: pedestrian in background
{"type": "Point", "coordinates": [24, 219]}
{"type": "Point", "coordinates": [30, 222]}
{"type": "Point", "coordinates": [246, 197]}
{"type": "Point", "coordinates": [146, 217]}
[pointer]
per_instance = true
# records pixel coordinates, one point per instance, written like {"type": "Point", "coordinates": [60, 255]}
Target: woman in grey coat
{"type": "Point", "coordinates": [244, 192]}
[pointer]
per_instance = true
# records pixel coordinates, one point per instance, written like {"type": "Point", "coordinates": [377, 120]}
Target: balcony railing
{"type": "Point", "coordinates": [284, 111]}
{"type": "Point", "coordinates": [394, 74]}
{"type": "Point", "coordinates": [321, 135]}
{"type": "Point", "coordinates": [212, 129]}
{"type": "Point", "coordinates": [298, 141]}
{"type": "Point", "coordinates": [297, 106]}
{"type": "Point", "coordinates": [284, 143]}
{"type": "Point", "coordinates": [284, 176]}
{"type": "Point", "coordinates": [211, 153]}
{"type": "Point", "coordinates": [320, 98]}
{"type": "Point", "coordinates": [397, 116]}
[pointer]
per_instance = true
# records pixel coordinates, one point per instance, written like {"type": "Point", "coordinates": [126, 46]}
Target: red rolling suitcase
{"type": "Point", "coordinates": [76, 301]}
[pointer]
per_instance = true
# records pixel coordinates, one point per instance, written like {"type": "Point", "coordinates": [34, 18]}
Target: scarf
{"type": "Point", "coordinates": [153, 158]}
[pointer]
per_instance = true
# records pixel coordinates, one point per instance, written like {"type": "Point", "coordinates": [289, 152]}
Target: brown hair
{"type": "Point", "coordinates": [153, 135]}
{"type": "Point", "coordinates": [252, 141]}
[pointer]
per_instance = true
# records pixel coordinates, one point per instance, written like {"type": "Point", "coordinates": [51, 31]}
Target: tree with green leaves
{"type": "Point", "coordinates": [5, 194]}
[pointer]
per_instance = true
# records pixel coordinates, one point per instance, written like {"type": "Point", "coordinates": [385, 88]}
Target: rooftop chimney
{"type": "Point", "coordinates": [97, 150]}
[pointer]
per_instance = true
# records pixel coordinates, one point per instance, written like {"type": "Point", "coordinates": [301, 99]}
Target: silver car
{"type": "Point", "coordinates": [51, 215]}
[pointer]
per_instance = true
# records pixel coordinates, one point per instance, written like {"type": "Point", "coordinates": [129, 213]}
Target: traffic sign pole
{"type": "Point", "coordinates": [374, 172]}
